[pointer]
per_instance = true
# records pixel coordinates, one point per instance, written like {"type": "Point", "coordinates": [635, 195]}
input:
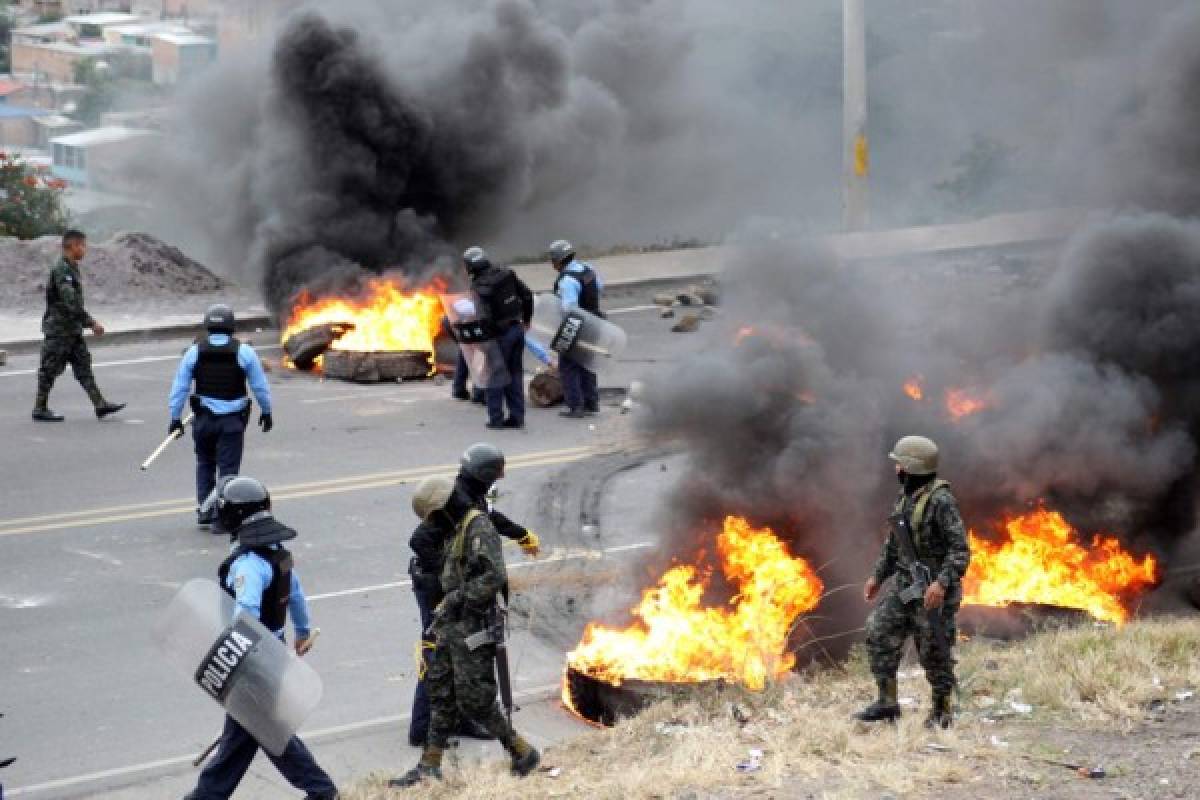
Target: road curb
{"type": "Point", "coordinates": [133, 336]}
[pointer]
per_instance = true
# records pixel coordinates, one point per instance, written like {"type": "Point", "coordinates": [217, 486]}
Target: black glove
{"type": "Point", "coordinates": [175, 428]}
{"type": "Point", "coordinates": [266, 422]}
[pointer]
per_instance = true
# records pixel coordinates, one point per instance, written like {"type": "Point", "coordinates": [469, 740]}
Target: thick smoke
{"type": "Point", "coordinates": [1091, 394]}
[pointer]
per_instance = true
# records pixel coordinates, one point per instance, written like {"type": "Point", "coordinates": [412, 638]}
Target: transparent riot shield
{"type": "Point", "coordinates": [239, 663]}
{"type": "Point", "coordinates": [579, 335]}
{"type": "Point", "coordinates": [477, 340]}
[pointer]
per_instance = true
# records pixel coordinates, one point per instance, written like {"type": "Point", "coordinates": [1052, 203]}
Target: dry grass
{"type": "Point", "coordinates": [1088, 677]}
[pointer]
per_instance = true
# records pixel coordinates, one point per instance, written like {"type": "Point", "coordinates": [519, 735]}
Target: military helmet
{"type": "Point", "coordinates": [219, 319]}
{"type": "Point", "coordinates": [484, 462]}
{"type": "Point", "coordinates": [475, 259]}
{"type": "Point", "coordinates": [916, 455]}
{"type": "Point", "coordinates": [238, 499]}
{"type": "Point", "coordinates": [431, 495]}
{"type": "Point", "coordinates": [561, 252]}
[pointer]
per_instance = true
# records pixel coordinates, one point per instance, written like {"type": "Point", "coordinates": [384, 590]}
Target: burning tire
{"type": "Point", "coordinates": [305, 347]}
{"type": "Point", "coordinates": [362, 367]}
{"type": "Point", "coordinates": [546, 389]}
{"type": "Point", "coordinates": [602, 703]}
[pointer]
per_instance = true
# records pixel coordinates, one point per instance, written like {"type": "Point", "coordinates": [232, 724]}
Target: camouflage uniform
{"type": "Point", "coordinates": [462, 681]}
{"type": "Point", "coordinates": [941, 545]}
{"type": "Point", "coordinates": [62, 327]}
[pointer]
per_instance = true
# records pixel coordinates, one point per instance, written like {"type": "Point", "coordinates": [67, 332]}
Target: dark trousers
{"type": "Point", "coordinates": [418, 726]}
{"type": "Point", "coordinates": [219, 443]}
{"type": "Point", "coordinates": [579, 385]}
{"type": "Point", "coordinates": [57, 353]}
{"type": "Point", "coordinates": [221, 777]}
{"type": "Point", "coordinates": [512, 350]}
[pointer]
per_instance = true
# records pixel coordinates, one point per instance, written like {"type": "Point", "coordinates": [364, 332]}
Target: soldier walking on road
{"type": "Point", "coordinates": [461, 677]}
{"type": "Point", "coordinates": [428, 544]}
{"type": "Point", "coordinates": [62, 327]}
{"type": "Point", "coordinates": [939, 543]}
{"type": "Point", "coordinates": [259, 576]}
{"type": "Point", "coordinates": [221, 368]}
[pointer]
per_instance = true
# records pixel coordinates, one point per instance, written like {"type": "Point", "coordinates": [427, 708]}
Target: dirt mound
{"type": "Point", "coordinates": [129, 267]}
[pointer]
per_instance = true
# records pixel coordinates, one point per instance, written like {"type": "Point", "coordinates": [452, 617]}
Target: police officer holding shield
{"type": "Point", "coordinates": [221, 368]}
{"type": "Point", "coordinates": [578, 286]}
{"type": "Point", "coordinates": [259, 575]}
{"type": "Point", "coordinates": [506, 304]}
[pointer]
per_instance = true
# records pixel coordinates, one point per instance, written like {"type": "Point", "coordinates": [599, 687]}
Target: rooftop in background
{"type": "Point", "coordinates": [96, 136]}
{"type": "Point", "coordinates": [149, 28]}
{"type": "Point", "coordinates": [103, 19]}
{"type": "Point", "coordinates": [44, 29]}
{"type": "Point", "coordinates": [184, 39]}
{"type": "Point", "coordinates": [16, 112]}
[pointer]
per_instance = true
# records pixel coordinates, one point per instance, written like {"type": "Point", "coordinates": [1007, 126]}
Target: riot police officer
{"type": "Point", "coordinates": [428, 544]}
{"type": "Point", "coordinates": [462, 680]}
{"type": "Point", "coordinates": [505, 303]}
{"type": "Point", "coordinates": [259, 574]}
{"type": "Point", "coordinates": [221, 368]}
{"type": "Point", "coordinates": [578, 286]}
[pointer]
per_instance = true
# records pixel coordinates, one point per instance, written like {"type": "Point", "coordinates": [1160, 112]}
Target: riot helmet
{"type": "Point", "coordinates": [240, 500]}
{"type": "Point", "coordinates": [483, 462]}
{"type": "Point", "coordinates": [476, 260]}
{"type": "Point", "coordinates": [219, 319]}
{"type": "Point", "coordinates": [431, 495]}
{"type": "Point", "coordinates": [561, 253]}
{"type": "Point", "coordinates": [916, 455]}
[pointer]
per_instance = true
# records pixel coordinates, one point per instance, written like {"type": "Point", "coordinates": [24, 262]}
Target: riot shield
{"type": "Point", "coordinates": [579, 335]}
{"type": "Point", "coordinates": [239, 663]}
{"type": "Point", "coordinates": [477, 341]}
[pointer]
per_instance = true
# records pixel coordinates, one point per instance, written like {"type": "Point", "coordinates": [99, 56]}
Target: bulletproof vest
{"type": "Point", "coordinates": [919, 503]}
{"type": "Point", "coordinates": [275, 597]}
{"type": "Point", "coordinates": [589, 297]}
{"type": "Point", "coordinates": [497, 290]}
{"type": "Point", "coordinates": [218, 374]}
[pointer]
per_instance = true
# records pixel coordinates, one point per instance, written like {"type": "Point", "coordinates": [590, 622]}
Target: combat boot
{"type": "Point", "coordinates": [942, 713]}
{"type": "Point", "coordinates": [106, 408]}
{"type": "Point", "coordinates": [886, 708]}
{"type": "Point", "coordinates": [429, 768]}
{"type": "Point", "coordinates": [46, 415]}
{"type": "Point", "coordinates": [525, 758]}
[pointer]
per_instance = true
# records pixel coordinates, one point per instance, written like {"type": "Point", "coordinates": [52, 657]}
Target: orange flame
{"type": "Point", "coordinates": [913, 388]}
{"type": "Point", "coordinates": [961, 403]}
{"type": "Point", "coordinates": [1042, 561]}
{"type": "Point", "coordinates": [386, 316]}
{"type": "Point", "coordinates": [675, 638]}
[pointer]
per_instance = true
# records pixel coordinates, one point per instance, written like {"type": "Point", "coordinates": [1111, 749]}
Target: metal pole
{"type": "Point", "coordinates": [856, 159]}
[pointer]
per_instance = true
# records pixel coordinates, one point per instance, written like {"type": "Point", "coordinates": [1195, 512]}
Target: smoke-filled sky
{"type": "Point", "coordinates": [1091, 378]}
{"type": "Point", "coordinates": [370, 133]}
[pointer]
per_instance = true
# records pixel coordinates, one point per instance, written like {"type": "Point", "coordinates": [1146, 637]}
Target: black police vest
{"type": "Point", "coordinates": [275, 597]}
{"type": "Point", "coordinates": [497, 290]}
{"type": "Point", "coordinates": [589, 296]}
{"type": "Point", "coordinates": [218, 374]}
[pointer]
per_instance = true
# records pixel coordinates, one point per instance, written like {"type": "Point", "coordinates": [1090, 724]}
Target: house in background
{"type": "Point", "coordinates": [98, 159]}
{"type": "Point", "coordinates": [17, 128]}
{"type": "Point", "coordinates": [177, 57]}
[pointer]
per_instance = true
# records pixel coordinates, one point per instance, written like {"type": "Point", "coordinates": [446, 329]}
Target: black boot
{"type": "Point", "coordinates": [46, 415]}
{"type": "Point", "coordinates": [886, 707]}
{"type": "Point", "coordinates": [942, 713]}
{"type": "Point", "coordinates": [107, 408]}
{"type": "Point", "coordinates": [525, 758]}
{"type": "Point", "coordinates": [421, 773]}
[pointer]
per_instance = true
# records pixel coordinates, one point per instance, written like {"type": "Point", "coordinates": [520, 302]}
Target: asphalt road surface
{"type": "Point", "coordinates": [93, 550]}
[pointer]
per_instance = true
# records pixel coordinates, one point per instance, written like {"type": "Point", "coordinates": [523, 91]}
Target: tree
{"type": "Point", "coordinates": [30, 204]}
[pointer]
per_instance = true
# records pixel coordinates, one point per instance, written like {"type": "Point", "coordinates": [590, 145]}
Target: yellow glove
{"type": "Point", "coordinates": [530, 543]}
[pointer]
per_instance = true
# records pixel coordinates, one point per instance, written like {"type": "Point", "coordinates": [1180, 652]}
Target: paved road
{"type": "Point", "coordinates": [93, 550]}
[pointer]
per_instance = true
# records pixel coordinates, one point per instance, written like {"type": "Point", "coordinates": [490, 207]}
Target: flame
{"type": "Point", "coordinates": [1041, 560]}
{"type": "Point", "coordinates": [386, 316]}
{"type": "Point", "coordinates": [961, 403]}
{"type": "Point", "coordinates": [913, 388]}
{"type": "Point", "coordinates": [676, 638]}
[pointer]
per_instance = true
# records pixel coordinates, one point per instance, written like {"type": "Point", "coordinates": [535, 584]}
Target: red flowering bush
{"type": "Point", "coordinates": [30, 203]}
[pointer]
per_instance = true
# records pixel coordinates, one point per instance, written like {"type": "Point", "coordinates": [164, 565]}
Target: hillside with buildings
{"type": "Point", "coordinates": [87, 84]}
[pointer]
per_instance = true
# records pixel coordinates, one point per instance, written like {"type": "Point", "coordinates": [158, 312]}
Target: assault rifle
{"type": "Point", "coordinates": [493, 633]}
{"type": "Point", "coordinates": [921, 577]}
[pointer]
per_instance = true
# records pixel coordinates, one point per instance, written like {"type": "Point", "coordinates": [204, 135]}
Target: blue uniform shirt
{"type": "Point", "coordinates": [249, 576]}
{"type": "Point", "coordinates": [256, 377]}
{"type": "Point", "coordinates": [569, 288]}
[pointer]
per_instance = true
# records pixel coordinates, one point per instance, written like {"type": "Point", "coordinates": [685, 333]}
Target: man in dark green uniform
{"type": "Point", "coordinates": [940, 544]}
{"type": "Point", "coordinates": [461, 678]}
{"type": "Point", "coordinates": [62, 327]}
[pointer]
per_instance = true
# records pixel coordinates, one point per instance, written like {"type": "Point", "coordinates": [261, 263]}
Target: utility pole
{"type": "Point", "coordinates": [856, 156]}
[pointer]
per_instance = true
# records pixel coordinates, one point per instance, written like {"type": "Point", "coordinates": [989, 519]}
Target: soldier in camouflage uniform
{"type": "Point", "coordinates": [461, 681]}
{"type": "Point", "coordinates": [62, 327]}
{"type": "Point", "coordinates": [940, 542]}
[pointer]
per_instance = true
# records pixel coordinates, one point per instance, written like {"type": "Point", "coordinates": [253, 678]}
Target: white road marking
{"type": "Point", "coordinates": [537, 692]}
{"type": "Point", "coordinates": [570, 555]}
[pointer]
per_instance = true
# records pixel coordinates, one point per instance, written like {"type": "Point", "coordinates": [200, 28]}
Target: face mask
{"type": "Point", "coordinates": [901, 476]}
